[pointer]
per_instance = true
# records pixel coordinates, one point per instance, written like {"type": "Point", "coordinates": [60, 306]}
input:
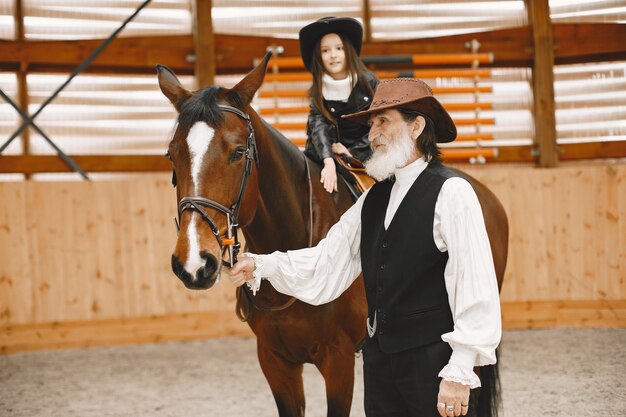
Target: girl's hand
{"type": "Point", "coordinates": [340, 149]}
{"type": "Point", "coordinates": [329, 175]}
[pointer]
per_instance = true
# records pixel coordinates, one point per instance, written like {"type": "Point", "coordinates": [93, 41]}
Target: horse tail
{"type": "Point", "coordinates": [489, 398]}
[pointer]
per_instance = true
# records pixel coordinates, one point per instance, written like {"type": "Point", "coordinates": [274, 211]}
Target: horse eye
{"type": "Point", "coordinates": [239, 152]}
{"type": "Point", "coordinates": [174, 179]}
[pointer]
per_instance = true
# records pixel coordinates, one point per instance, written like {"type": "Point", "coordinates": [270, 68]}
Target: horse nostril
{"type": "Point", "coordinates": [179, 270]}
{"type": "Point", "coordinates": [211, 263]}
{"type": "Point", "coordinates": [177, 266]}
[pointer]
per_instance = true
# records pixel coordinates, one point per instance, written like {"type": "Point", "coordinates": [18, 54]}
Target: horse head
{"type": "Point", "coordinates": [213, 153]}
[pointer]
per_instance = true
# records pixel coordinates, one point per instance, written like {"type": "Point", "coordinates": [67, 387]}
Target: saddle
{"type": "Point", "coordinates": [353, 173]}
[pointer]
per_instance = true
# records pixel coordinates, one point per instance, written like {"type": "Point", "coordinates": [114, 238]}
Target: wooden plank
{"type": "Point", "coordinates": [18, 19]}
{"type": "Point", "coordinates": [120, 331]}
{"type": "Point", "coordinates": [93, 250]}
{"type": "Point", "coordinates": [31, 164]}
{"type": "Point", "coordinates": [22, 84]}
{"type": "Point", "coordinates": [83, 251]}
{"type": "Point", "coordinates": [594, 42]}
{"type": "Point", "coordinates": [575, 313]}
{"type": "Point", "coordinates": [574, 42]}
{"type": "Point", "coordinates": [592, 150]}
{"type": "Point", "coordinates": [204, 43]}
{"type": "Point", "coordinates": [588, 280]}
{"type": "Point", "coordinates": [618, 262]}
{"type": "Point", "coordinates": [543, 82]}
{"type": "Point", "coordinates": [154, 163]}
{"type": "Point", "coordinates": [16, 260]}
{"type": "Point", "coordinates": [196, 326]}
{"type": "Point", "coordinates": [550, 206]}
{"type": "Point", "coordinates": [571, 239]}
{"type": "Point", "coordinates": [367, 21]}
{"type": "Point", "coordinates": [537, 283]}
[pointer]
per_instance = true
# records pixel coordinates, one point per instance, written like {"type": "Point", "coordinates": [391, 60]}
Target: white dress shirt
{"type": "Point", "coordinates": [322, 273]}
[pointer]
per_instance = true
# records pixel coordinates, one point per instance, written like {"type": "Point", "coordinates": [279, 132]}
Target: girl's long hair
{"type": "Point", "coordinates": [354, 67]}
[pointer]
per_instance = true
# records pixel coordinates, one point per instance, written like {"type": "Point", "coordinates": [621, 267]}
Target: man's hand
{"type": "Point", "coordinates": [453, 399]}
{"type": "Point", "coordinates": [242, 271]}
{"type": "Point", "coordinates": [328, 176]}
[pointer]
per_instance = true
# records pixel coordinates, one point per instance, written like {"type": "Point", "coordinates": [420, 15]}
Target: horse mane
{"type": "Point", "coordinates": [203, 106]}
{"type": "Point", "coordinates": [280, 138]}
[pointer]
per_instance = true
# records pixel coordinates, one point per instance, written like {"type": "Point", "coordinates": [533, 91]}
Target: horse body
{"type": "Point", "coordinates": [496, 223]}
{"type": "Point", "coordinates": [280, 205]}
{"type": "Point", "coordinates": [293, 212]}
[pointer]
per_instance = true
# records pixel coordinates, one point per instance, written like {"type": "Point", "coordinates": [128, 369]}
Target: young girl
{"type": "Point", "coordinates": [330, 49]}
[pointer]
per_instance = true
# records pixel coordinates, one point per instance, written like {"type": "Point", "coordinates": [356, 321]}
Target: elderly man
{"type": "Point", "coordinates": [419, 238]}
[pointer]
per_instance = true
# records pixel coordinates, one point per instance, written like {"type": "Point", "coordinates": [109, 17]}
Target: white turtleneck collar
{"type": "Point", "coordinates": [407, 174]}
{"type": "Point", "coordinates": [337, 90]}
{"type": "Point", "coordinates": [405, 177]}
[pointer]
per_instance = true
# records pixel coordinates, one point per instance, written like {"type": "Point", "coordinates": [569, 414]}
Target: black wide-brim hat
{"type": "Point", "coordinates": [310, 34]}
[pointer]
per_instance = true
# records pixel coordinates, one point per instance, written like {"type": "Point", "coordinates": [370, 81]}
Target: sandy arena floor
{"type": "Point", "coordinates": [559, 373]}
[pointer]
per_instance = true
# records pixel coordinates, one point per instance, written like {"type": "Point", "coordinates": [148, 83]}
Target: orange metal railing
{"type": "Point", "coordinates": [418, 59]}
{"type": "Point", "coordinates": [474, 150]}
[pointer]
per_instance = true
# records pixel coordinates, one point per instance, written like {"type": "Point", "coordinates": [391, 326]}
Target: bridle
{"type": "Point", "coordinates": [230, 242]}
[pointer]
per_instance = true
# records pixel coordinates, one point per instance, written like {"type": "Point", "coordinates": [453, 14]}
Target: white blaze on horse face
{"type": "Point", "coordinates": [198, 140]}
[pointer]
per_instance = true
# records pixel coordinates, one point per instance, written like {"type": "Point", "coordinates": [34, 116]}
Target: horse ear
{"type": "Point", "coordinates": [171, 87]}
{"type": "Point", "coordinates": [247, 87]}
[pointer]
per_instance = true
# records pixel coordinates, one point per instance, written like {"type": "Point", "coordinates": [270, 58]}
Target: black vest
{"type": "Point", "coordinates": [402, 267]}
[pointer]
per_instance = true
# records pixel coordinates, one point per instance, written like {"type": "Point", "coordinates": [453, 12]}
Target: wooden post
{"type": "Point", "coordinates": [204, 43]}
{"type": "Point", "coordinates": [543, 82]}
{"type": "Point", "coordinates": [22, 86]}
{"type": "Point", "coordinates": [367, 28]}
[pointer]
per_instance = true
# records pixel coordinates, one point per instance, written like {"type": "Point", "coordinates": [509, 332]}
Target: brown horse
{"type": "Point", "coordinates": [234, 170]}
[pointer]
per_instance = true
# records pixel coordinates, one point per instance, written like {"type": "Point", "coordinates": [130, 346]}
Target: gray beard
{"type": "Point", "coordinates": [398, 153]}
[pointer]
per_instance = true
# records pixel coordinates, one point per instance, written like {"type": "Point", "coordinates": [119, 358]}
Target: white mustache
{"type": "Point", "coordinates": [380, 140]}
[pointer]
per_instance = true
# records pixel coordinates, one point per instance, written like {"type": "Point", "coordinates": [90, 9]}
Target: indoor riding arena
{"type": "Point", "coordinates": [94, 198]}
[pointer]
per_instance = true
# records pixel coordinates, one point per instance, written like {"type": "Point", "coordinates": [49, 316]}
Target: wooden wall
{"type": "Point", "coordinates": [87, 263]}
{"type": "Point", "coordinates": [567, 243]}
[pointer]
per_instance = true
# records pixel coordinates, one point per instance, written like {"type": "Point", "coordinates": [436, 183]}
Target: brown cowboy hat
{"type": "Point", "coordinates": [413, 94]}
{"type": "Point", "coordinates": [311, 33]}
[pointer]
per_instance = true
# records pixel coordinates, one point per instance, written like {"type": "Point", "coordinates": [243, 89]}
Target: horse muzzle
{"type": "Point", "coordinates": [201, 279]}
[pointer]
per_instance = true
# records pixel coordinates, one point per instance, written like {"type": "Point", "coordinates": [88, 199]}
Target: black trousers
{"type": "Point", "coordinates": [404, 384]}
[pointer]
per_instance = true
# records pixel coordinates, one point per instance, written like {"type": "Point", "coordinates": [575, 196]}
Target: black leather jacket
{"type": "Point", "coordinates": [322, 133]}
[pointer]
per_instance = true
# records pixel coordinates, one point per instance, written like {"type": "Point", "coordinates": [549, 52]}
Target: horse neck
{"type": "Point", "coordinates": [281, 218]}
